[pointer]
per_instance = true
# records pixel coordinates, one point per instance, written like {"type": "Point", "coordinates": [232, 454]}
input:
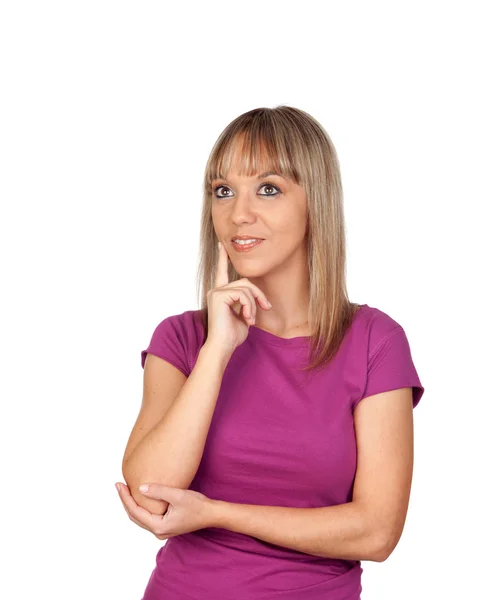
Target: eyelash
{"type": "Point", "coordinates": [278, 191]}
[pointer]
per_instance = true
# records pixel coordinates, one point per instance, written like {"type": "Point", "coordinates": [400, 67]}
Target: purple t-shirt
{"type": "Point", "coordinates": [278, 437]}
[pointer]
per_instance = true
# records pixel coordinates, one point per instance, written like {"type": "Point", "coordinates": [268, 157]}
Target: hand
{"type": "Point", "coordinates": [187, 511]}
{"type": "Point", "coordinates": [226, 327]}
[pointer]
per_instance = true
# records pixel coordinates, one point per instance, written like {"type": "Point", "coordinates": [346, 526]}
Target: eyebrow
{"type": "Point", "coordinates": [267, 174]}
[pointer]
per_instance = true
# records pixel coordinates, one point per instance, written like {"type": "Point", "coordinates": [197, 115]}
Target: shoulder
{"type": "Point", "coordinates": [187, 323]}
{"type": "Point", "coordinates": [382, 354]}
{"type": "Point", "coordinates": [375, 326]}
{"type": "Point", "coordinates": [180, 335]}
{"type": "Point", "coordinates": [187, 328]}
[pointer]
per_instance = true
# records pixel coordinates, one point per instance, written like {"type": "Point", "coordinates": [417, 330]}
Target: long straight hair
{"type": "Point", "coordinates": [292, 143]}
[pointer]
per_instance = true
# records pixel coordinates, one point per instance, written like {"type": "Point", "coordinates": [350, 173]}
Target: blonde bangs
{"type": "Point", "coordinates": [259, 148]}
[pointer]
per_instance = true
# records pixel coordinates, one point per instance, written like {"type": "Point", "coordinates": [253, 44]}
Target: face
{"type": "Point", "coordinates": [269, 207]}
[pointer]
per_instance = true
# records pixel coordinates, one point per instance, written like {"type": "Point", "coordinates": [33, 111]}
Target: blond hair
{"type": "Point", "coordinates": [291, 142]}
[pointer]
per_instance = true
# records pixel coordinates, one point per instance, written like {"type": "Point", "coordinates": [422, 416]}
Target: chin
{"type": "Point", "coordinates": [251, 270]}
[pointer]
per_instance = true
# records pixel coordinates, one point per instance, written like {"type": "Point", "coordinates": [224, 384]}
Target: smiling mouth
{"type": "Point", "coordinates": [242, 247]}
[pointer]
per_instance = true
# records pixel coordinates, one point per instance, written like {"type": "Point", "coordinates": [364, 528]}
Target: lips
{"type": "Point", "coordinates": [246, 247]}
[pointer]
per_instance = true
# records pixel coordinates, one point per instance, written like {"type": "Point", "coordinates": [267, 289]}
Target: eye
{"type": "Point", "coordinates": [218, 188]}
{"type": "Point", "coordinates": [267, 185]}
{"type": "Point", "coordinates": [270, 185]}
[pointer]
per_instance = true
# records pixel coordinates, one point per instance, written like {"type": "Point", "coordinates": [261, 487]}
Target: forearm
{"type": "Point", "coordinates": [343, 531]}
{"type": "Point", "coordinates": [171, 452]}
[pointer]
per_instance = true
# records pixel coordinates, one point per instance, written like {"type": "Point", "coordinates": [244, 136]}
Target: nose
{"type": "Point", "coordinates": [242, 208]}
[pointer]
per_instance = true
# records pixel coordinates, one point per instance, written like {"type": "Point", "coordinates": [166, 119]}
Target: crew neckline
{"type": "Point", "coordinates": [271, 338]}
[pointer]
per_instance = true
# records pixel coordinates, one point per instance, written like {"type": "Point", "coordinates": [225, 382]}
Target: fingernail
{"type": "Point", "coordinates": [117, 485]}
{"type": "Point", "coordinates": [269, 303]}
{"type": "Point", "coordinates": [143, 487]}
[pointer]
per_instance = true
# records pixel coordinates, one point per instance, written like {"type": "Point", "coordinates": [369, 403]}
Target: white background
{"type": "Point", "coordinates": [108, 113]}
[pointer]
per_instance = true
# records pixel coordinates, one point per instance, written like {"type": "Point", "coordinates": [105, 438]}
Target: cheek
{"type": "Point", "coordinates": [289, 226]}
{"type": "Point", "coordinates": [217, 222]}
{"type": "Point", "coordinates": [219, 217]}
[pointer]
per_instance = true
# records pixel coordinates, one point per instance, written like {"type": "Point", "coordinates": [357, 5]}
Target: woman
{"type": "Point", "coordinates": [279, 436]}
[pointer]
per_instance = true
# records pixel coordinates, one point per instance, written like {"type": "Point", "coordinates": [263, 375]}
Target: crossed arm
{"type": "Point", "coordinates": [370, 526]}
{"type": "Point", "coordinates": [341, 531]}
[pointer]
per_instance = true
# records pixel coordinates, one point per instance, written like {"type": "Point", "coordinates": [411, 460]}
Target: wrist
{"type": "Point", "coordinates": [217, 513]}
{"type": "Point", "coordinates": [215, 353]}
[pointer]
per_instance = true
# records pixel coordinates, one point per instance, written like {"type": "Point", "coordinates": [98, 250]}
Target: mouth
{"type": "Point", "coordinates": [241, 246]}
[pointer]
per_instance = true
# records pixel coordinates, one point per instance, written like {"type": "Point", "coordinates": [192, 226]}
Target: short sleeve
{"type": "Point", "coordinates": [390, 367]}
{"type": "Point", "coordinates": [169, 342]}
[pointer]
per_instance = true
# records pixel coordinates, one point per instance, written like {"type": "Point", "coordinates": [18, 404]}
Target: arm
{"type": "Point", "coordinates": [344, 531]}
{"type": "Point", "coordinates": [369, 527]}
{"type": "Point", "coordinates": [172, 450]}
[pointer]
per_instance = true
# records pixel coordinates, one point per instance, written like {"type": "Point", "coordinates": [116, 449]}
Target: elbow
{"type": "Point", "coordinates": [381, 540]}
{"type": "Point", "coordinates": [130, 480]}
{"type": "Point", "coordinates": [133, 479]}
{"type": "Point", "coordinates": [384, 547]}
{"type": "Point", "coordinates": [380, 554]}
{"type": "Point", "coordinates": [369, 535]}
{"type": "Point", "coordinates": [384, 533]}
{"type": "Point", "coordinates": [133, 482]}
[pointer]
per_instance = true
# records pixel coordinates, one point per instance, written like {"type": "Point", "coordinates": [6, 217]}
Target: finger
{"type": "Point", "coordinates": [134, 510]}
{"type": "Point", "coordinates": [133, 518]}
{"type": "Point", "coordinates": [242, 302]}
{"type": "Point", "coordinates": [137, 522]}
{"type": "Point", "coordinates": [249, 310]}
{"type": "Point", "coordinates": [255, 291]}
{"type": "Point", "coordinates": [252, 308]}
{"type": "Point", "coordinates": [222, 266]}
